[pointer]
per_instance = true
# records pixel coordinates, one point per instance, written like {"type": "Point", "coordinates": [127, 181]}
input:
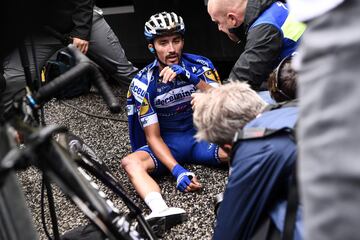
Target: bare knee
{"type": "Point", "coordinates": [132, 165]}
{"type": "Point", "coordinates": [129, 162]}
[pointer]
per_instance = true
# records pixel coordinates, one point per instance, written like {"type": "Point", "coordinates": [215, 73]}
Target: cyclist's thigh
{"type": "Point", "coordinates": [180, 144]}
{"type": "Point", "coordinates": [205, 153]}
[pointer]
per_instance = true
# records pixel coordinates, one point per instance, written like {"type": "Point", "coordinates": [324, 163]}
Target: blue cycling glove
{"type": "Point", "coordinates": [183, 177]}
{"type": "Point", "coordinates": [190, 77]}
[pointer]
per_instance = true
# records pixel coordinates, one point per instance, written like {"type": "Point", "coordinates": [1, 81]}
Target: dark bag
{"type": "Point", "coordinates": [54, 68]}
{"type": "Point", "coordinates": [2, 88]}
{"type": "Point", "coordinates": [2, 83]}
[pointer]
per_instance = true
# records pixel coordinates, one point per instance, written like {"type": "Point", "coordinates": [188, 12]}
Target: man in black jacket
{"type": "Point", "coordinates": [84, 24]}
{"type": "Point", "coordinates": [265, 31]}
{"type": "Point", "coordinates": [2, 88]}
{"type": "Point", "coordinates": [73, 18]}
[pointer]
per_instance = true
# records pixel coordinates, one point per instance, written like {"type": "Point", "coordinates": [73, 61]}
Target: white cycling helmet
{"type": "Point", "coordinates": [162, 24]}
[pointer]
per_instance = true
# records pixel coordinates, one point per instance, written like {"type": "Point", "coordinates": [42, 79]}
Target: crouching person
{"type": "Point", "coordinates": [160, 118]}
{"type": "Point", "coordinates": [262, 162]}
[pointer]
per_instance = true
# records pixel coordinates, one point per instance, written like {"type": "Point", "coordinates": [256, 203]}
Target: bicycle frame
{"type": "Point", "coordinates": [56, 163]}
{"type": "Point", "coordinates": [12, 201]}
{"type": "Point", "coordinates": [88, 160]}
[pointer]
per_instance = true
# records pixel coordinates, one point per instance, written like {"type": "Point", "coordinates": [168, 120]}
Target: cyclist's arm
{"type": "Point", "coordinates": [203, 86]}
{"type": "Point", "coordinates": [200, 80]}
{"type": "Point", "coordinates": [209, 78]}
{"type": "Point", "coordinates": [162, 152]}
{"type": "Point", "coordinates": [158, 146]}
{"type": "Point", "coordinates": [150, 124]}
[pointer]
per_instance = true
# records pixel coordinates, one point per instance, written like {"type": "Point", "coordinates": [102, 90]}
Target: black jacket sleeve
{"type": "Point", "coordinates": [2, 83]}
{"type": "Point", "coordinates": [2, 88]}
{"type": "Point", "coordinates": [82, 19]}
{"type": "Point", "coordinates": [262, 49]}
{"type": "Point", "coordinates": [71, 17]}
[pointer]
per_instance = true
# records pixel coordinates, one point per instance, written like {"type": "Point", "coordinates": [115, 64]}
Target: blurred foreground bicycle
{"type": "Point", "coordinates": [61, 166]}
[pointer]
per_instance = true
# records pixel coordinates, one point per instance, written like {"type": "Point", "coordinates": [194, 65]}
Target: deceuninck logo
{"type": "Point", "coordinates": [138, 89]}
{"type": "Point", "coordinates": [176, 96]}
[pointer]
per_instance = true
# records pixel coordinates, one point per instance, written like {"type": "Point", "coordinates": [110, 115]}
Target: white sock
{"type": "Point", "coordinates": [155, 202]}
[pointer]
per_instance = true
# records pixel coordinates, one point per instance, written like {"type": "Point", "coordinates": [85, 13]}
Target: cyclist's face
{"type": "Point", "coordinates": [169, 48]}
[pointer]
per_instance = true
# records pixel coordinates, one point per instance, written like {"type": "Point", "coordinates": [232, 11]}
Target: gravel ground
{"type": "Point", "coordinates": [109, 138]}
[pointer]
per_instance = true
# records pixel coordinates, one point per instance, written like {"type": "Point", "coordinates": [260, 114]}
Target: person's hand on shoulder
{"type": "Point", "coordinates": [195, 98]}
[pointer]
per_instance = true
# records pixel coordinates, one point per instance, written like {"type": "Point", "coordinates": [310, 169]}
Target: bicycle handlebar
{"type": "Point", "coordinates": [83, 65]}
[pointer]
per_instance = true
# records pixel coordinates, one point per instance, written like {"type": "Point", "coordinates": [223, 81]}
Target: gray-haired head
{"type": "Point", "coordinates": [220, 112]}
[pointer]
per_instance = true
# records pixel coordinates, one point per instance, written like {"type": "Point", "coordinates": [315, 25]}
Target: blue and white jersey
{"type": "Point", "coordinates": [150, 101]}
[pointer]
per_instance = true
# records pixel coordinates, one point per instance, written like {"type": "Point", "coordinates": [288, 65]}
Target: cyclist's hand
{"type": "Point", "coordinates": [185, 180]}
{"type": "Point", "coordinates": [188, 76]}
{"type": "Point", "coordinates": [81, 44]}
{"type": "Point", "coordinates": [167, 74]}
{"type": "Point", "coordinates": [193, 186]}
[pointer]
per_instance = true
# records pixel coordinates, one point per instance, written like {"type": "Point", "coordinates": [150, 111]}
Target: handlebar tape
{"type": "Point", "coordinates": [48, 91]}
{"type": "Point", "coordinates": [106, 92]}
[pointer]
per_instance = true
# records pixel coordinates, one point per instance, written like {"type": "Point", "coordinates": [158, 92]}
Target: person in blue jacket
{"type": "Point", "coordinates": [160, 117]}
{"type": "Point", "coordinates": [265, 30]}
{"type": "Point", "coordinates": [261, 167]}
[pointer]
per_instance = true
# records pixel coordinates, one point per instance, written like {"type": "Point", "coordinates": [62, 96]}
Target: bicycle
{"type": "Point", "coordinates": [43, 152]}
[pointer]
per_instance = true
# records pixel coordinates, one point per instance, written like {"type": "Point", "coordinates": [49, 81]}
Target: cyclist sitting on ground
{"type": "Point", "coordinates": [160, 117]}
